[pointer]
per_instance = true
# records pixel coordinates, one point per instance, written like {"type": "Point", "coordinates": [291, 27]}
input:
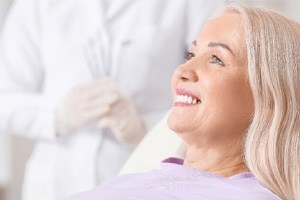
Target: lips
{"type": "Point", "coordinates": [186, 98]}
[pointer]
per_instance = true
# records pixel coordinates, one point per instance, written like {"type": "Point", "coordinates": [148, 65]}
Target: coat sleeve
{"type": "Point", "coordinates": [24, 110]}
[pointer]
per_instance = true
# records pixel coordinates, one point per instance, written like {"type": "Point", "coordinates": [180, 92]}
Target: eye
{"type": "Point", "coordinates": [189, 55]}
{"type": "Point", "coordinates": [216, 60]}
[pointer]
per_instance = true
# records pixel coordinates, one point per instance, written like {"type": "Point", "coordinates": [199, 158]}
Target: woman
{"type": "Point", "coordinates": [236, 97]}
{"type": "Point", "coordinates": [55, 60]}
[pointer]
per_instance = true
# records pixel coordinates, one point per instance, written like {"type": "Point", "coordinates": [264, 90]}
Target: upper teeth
{"type": "Point", "coordinates": [186, 99]}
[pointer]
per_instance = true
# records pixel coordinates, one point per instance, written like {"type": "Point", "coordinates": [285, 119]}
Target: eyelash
{"type": "Point", "coordinates": [216, 60]}
{"type": "Point", "coordinates": [189, 55]}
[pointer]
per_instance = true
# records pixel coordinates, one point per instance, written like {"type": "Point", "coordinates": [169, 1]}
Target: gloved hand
{"type": "Point", "coordinates": [124, 121]}
{"type": "Point", "coordinates": [86, 104]}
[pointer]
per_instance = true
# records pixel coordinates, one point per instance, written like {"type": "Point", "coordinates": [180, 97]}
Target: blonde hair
{"type": "Point", "coordinates": [272, 146]}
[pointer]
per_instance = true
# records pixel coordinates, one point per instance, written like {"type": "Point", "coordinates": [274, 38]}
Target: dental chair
{"type": "Point", "coordinates": [159, 144]}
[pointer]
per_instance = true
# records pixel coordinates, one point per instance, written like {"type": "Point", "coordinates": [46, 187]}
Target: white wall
{"type": "Point", "coordinates": [287, 7]}
{"type": "Point", "coordinates": [292, 9]}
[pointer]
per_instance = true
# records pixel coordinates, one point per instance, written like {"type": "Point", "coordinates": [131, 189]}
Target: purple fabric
{"type": "Point", "coordinates": [177, 182]}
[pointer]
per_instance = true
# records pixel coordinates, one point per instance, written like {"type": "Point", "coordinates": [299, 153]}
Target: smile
{"type": "Point", "coordinates": [185, 98]}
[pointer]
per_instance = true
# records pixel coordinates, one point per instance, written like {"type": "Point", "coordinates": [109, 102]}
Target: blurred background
{"type": "Point", "coordinates": [14, 150]}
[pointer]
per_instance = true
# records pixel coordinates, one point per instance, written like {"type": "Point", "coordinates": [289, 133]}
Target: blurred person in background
{"type": "Point", "coordinates": [86, 80]}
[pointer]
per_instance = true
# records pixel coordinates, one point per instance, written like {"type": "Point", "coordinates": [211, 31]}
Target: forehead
{"type": "Point", "coordinates": [226, 28]}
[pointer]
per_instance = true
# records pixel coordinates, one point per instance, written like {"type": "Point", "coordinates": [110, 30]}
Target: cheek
{"type": "Point", "coordinates": [174, 82]}
{"type": "Point", "coordinates": [229, 99]}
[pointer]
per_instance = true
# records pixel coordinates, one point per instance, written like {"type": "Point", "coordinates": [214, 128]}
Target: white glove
{"type": "Point", "coordinates": [85, 104]}
{"type": "Point", "coordinates": [124, 122]}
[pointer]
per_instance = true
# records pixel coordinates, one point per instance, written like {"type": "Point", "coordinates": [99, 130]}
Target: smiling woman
{"type": "Point", "coordinates": [217, 75]}
{"type": "Point", "coordinates": [236, 106]}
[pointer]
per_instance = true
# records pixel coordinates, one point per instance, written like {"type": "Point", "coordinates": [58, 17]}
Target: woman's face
{"type": "Point", "coordinates": [212, 98]}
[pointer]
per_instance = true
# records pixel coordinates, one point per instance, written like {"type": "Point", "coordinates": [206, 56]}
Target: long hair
{"type": "Point", "coordinates": [272, 144]}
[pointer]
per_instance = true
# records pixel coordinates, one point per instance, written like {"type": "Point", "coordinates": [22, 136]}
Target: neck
{"type": "Point", "coordinates": [221, 162]}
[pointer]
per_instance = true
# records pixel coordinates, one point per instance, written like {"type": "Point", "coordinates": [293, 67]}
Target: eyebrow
{"type": "Point", "coordinates": [216, 44]}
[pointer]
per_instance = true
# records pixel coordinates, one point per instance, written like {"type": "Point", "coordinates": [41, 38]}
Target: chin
{"type": "Point", "coordinates": [178, 126]}
{"type": "Point", "coordinates": [176, 123]}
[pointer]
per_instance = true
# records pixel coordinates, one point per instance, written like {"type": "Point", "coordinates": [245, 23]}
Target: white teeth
{"type": "Point", "coordinates": [186, 99]}
{"type": "Point", "coordinates": [190, 100]}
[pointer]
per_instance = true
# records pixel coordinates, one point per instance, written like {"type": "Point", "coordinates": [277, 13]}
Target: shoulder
{"type": "Point", "coordinates": [256, 191]}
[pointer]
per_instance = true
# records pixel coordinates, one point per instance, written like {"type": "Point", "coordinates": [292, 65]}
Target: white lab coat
{"type": "Point", "coordinates": [42, 58]}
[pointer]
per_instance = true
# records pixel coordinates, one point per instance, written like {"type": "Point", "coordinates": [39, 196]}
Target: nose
{"type": "Point", "coordinates": [186, 73]}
